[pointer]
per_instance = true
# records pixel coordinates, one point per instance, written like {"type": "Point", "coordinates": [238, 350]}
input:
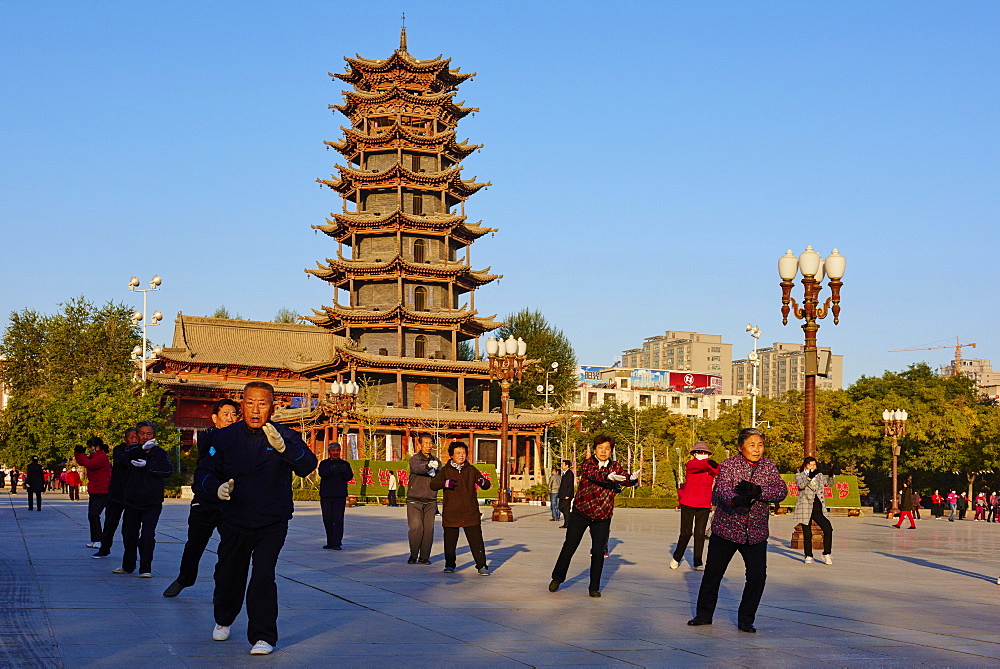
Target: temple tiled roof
{"type": "Point", "coordinates": [398, 134]}
{"type": "Point", "coordinates": [344, 223]}
{"type": "Point", "coordinates": [224, 341]}
{"type": "Point", "coordinates": [340, 315]}
{"type": "Point", "coordinates": [408, 100]}
{"type": "Point", "coordinates": [391, 363]}
{"type": "Point", "coordinates": [360, 70]}
{"type": "Point", "coordinates": [341, 268]}
{"type": "Point", "coordinates": [451, 179]}
{"type": "Point", "coordinates": [458, 419]}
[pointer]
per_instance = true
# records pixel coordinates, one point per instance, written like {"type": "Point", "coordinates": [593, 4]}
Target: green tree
{"type": "Point", "coordinates": [223, 312]}
{"type": "Point", "coordinates": [286, 315]}
{"type": "Point", "coordinates": [547, 344]}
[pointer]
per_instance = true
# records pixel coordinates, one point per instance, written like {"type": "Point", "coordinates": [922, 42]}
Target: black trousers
{"type": "Point", "coordinates": [333, 519]}
{"type": "Point", "coordinates": [720, 553]}
{"type": "Point", "coordinates": [37, 494]}
{"type": "Point", "coordinates": [474, 535]}
{"type": "Point", "coordinates": [139, 536]}
{"type": "Point", "coordinates": [112, 516]}
{"type": "Point", "coordinates": [392, 498]}
{"type": "Point", "coordinates": [825, 525]}
{"type": "Point", "coordinates": [95, 505]}
{"type": "Point", "coordinates": [576, 525]}
{"type": "Point", "coordinates": [203, 519]}
{"type": "Point", "coordinates": [13, 485]}
{"type": "Point", "coordinates": [237, 548]}
{"type": "Point", "coordinates": [698, 518]}
{"type": "Point", "coordinates": [565, 507]}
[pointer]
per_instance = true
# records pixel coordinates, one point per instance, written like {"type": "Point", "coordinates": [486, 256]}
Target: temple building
{"type": "Point", "coordinates": [402, 323]}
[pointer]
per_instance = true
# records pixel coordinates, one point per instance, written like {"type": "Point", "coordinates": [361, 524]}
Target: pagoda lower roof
{"type": "Point", "coordinates": [193, 383]}
{"type": "Point", "coordinates": [405, 99]}
{"type": "Point", "coordinates": [341, 316]}
{"type": "Point", "coordinates": [447, 420]}
{"type": "Point", "coordinates": [401, 60]}
{"type": "Point", "coordinates": [344, 225]}
{"type": "Point", "coordinates": [450, 179]}
{"type": "Point", "coordinates": [347, 359]}
{"type": "Point", "coordinates": [338, 269]}
{"type": "Point", "coordinates": [398, 135]}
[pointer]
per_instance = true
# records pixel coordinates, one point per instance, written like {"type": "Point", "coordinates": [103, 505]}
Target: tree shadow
{"type": "Point", "coordinates": [920, 562]}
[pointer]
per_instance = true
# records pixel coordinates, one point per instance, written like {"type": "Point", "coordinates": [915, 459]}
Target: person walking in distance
{"type": "Point", "coordinates": [695, 497]}
{"type": "Point", "coordinates": [810, 507]}
{"type": "Point", "coordinates": [555, 478]}
{"type": "Point", "coordinates": [906, 506]}
{"type": "Point", "coordinates": [14, 478]}
{"type": "Point", "coordinates": [143, 501]}
{"type": "Point", "coordinates": [460, 509]}
{"type": "Point", "coordinates": [120, 467]}
{"type": "Point", "coordinates": [421, 501]}
{"type": "Point", "coordinates": [747, 484]}
{"type": "Point", "coordinates": [94, 458]}
{"type": "Point", "coordinates": [35, 482]}
{"type": "Point", "coordinates": [205, 512]}
{"type": "Point", "coordinates": [334, 473]}
{"type": "Point", "coordinates": [980, 507]}
{"type": "Point", "coordinates": [251, 472]}
{"type": "Point", "coordinates": [567, 489]}
{"type": "Point", "coordinates": [601, 478]}
{"type": "Point", "coordinates": [393, 487]}
{"type": "Point", "coordinates": [3, 479]}
{"type": "Point", "coordinates": [952, 500]}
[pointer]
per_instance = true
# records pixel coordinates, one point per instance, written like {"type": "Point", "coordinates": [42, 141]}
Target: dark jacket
{"type": "Point", "coordinates": [144, 485]}
{"type": "Point", "coordinates": [120, 468]}
{"type": "Point", "coordinates": [906, 500]}
{"type": "Point", "coordinates": [420, 478]}
{"type": "Point", "coordinates": [334, 475]}
{"type": "Point", "coordinates": [204, 448]}
{"type": "Point", "coordinates": [566, 486]}
{"type": "Point", "coordinates": [36, 478]}
{"type": "Point", "coordinates": [740, 524]}
{"type": "Point", "coordinates": [461, 506]}
{"type": "Point", "coordinates": [262, 492]}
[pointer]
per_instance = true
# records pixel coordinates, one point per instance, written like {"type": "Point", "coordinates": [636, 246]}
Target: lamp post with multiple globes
{"type": "Point", "coordinates": [894, 425]}
{"type": "Point", "coordinates": [754, 359]}
{"type": "Point", "coordinates": [546, 390]}
{"type": "Point", "coordinates": [139, 319]}
{"type": "Point", "coordinates": [507, 362]}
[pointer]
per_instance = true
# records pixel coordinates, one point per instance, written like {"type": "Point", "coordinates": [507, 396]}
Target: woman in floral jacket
{"type": "Point", "coordinates": [747, 484]}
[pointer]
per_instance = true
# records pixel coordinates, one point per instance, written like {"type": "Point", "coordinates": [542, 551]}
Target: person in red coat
{"type": "Point", "coordinates": [695, 497]}
{"type": "Point", "coordinates": [95, 460]}
{"type": "Point", "coordinates": [73, 484]}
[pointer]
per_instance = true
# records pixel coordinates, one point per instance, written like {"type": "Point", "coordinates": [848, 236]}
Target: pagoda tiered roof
{"type": "Point", "coordinates": [450, 179]}
{"type": "Point", "coordinates": [339, 270]}
{"type": "Point", "coordinates": [398, 100]}
{"type": "Point", "coordinates": [370, 361]}
{"type": "Point", "coordinates": [398, 135]}
{"type": "Point", "coordinates": [344, 224]}
{"type": "Point", "coordinates": [339, 316]}
{"type": "Point", "coordinates": [401, 68]}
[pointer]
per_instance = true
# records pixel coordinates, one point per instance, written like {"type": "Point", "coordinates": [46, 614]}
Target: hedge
{"type": "Point", "coordinates": [626, 502]}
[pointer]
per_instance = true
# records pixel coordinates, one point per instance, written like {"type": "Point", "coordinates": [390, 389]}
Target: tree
{"type": "Point", "coordinates": [286, 315]}
{"type": "Point", "coordinates": [222, 312]}
{"type": "Point", "coordinates": [547, 344]}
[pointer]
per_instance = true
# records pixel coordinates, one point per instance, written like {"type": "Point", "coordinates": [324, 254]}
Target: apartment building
{"type": "Point", "coordinates": [782, 368]}
{"type": "Point", "coordinates": [684, 351]}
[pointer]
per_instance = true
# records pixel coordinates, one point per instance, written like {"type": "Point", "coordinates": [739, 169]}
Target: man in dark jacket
{"type": "Point", "coordinates": [14, 476]}
{"type": "Point", "coordinates": [251, 472]}
{"type": "Point", "coordinates": [206, 511]}
{"type": "Point", "coordinates": [906, 507]}
{"type": "Point", "coordinates": [334, 473]}
{"type": "Point", "coordinates": [35, 483]}
{"type": "Point", "coordinates": [567, 489]}
{"type": "Point", "coordinates": [116, 492]}
{"type": "Point", "coordinates": [143, 500]}
{"type": "Point", "coordinates": [421, 501]}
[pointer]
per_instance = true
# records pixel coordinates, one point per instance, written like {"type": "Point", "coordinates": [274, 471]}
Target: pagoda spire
{"type": "Point", "coordinates": [402, 34]}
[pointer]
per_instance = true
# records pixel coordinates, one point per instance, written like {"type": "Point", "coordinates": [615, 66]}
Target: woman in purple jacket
{"type": "Point", "coordinates": [746, 485]}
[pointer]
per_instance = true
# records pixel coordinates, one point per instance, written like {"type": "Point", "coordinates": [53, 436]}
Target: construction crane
{"type": "Point", "coordinates": [956, 363]}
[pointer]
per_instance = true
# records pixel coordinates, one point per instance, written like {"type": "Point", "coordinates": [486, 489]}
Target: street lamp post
{"type": "Point", "coordinates": [812, 268]}
{"type": "Point", "coordinates": [139, 318]}
{"type": "Point", "coordinates": [754, 388]}
{"type": "Point", "coordinates": [507, 362]}
{"type": "Point", "coordinates": [547, 390]}
{"type": "Point", "coordinates": [341, 400]}
{"type": "Point", "coordinates": [894, 425]}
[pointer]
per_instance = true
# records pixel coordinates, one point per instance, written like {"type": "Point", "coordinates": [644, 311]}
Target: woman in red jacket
{"type": "Point", "coordinates": [695, 498]}
{"type": "Point", "coordinates": [95, 460]}
{"type": "Point", "coordinates": [73, 484]}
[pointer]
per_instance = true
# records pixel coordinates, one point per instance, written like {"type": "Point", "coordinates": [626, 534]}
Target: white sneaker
{"type": "Point", "coordinates": [699, 567]}
{"type": "Point", "coordinates": [261, 648]}
{"type": "Point", "coordinates": [808, 560]}
{"type": "Point", "coordinates": [674, 564]}
{"type": "Point", "coordinates": [145, 574]}
{"type": "Point", "coordinates": [998, 581]}
{"type": "Point", "coordinates": [220, 633]}
{"type": "Point", "coordinates": [93, 545]}
{"type": "Point", "coordinates": [827, 559]}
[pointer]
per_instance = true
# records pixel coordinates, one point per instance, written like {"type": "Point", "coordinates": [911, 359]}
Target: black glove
{"type": "Point", "coordinates": [742, 501]}
{"type": "Point", "coordinates": [813, 472]}
{"type": "Point", "coordinates": [833, 470]}
{"type": "Point", "coordinates": [79, 450]}
{"type": "Point", "coordinates": [713, 464]}
{"type": "Point", "coordinates": [751, 490]}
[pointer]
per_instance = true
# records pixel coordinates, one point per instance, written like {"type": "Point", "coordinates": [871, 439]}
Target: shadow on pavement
{"type": "Point", "coordinates": [920, 562]}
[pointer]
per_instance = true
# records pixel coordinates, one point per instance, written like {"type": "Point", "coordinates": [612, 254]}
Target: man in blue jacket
{"type": "Point", "coordinates": [251, 472]}
{"type": "Point", "coordinates": [334, 473]}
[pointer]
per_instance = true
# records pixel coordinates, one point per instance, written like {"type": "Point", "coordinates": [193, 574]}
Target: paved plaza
{"type": "Point", "coordinates": [892, 598]}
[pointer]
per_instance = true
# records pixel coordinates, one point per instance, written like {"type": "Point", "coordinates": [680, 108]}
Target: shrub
{"type": "Point", "coordinates": [626, 502]}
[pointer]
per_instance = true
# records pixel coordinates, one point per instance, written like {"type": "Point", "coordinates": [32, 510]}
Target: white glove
{"type": "Point", "coordinates": [149, 444]}
{"type": "Point", "coordinates": [616, 477]}
{"type": "Point", "coordinates": [226, 489]}
{"type": "Point", "coordinates": [634, 477]}
{"type": "Point", "coordinates": [434, 464]}
{"type": "Point", "coordinates": [273, 438]}
{"type": "Point", "coordinates": [138, 463]}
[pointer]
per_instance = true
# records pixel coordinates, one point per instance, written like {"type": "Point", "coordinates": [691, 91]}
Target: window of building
{"type": "Point", "coordinates": [419, 250]}
{"type": "Point", "coordinates": [418, 204]}
{"type": "Point", "coordinates": [414, 163]}
{"type": "Point", "coordinates": [675, 401]}
{"type": "Point", "coordinates": [591, 399]}
{"type": "Point", "coordinates": [420, 300]}
{"type": "Point", "coordinates": [420, 347]}
{"type": "Point", "coordinates": [576, 397]}
{"type": "Point", "coordinates": [383, 351]}
{"type": "Point", "coordinates": [704, 413]}
{"type": "Point", "coordinates": [692, 403]}
{"type": "Point", "coordinates": [644, 400]}
{"type": "Point", "coordinates": [609, 397]}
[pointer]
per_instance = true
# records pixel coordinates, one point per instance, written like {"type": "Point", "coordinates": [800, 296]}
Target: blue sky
{"type": "Point", "coordinates": [650, 160]}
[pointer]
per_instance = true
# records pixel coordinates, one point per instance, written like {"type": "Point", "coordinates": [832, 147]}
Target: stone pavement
{"type": "Point", "coordinates": [892, 598]}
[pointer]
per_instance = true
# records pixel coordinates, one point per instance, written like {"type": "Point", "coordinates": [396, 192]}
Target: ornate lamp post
{"type": "Point", "coordinates": [507, 362]}
{"type": "Point", "coordinates": [139, 319]}
{"type": "Point", "coordinates": [812, 267]}
{"type": "Point", "coordinates": [546, 390]}
{"type": "Point", "coordinates": [894, 425]}
{"type": "Point", "coordinates": [754, 358]}
{"type": "Point", "coordinates": [340, 402]}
